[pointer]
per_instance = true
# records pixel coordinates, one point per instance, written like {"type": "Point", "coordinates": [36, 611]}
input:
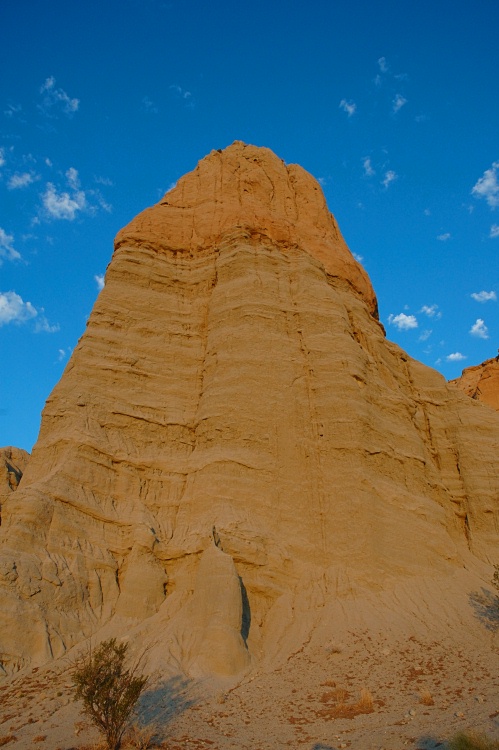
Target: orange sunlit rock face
{"type": "Point", "coordinates": [235, 456]}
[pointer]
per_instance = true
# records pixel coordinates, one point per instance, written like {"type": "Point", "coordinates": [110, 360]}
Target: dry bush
{"type": "Point", "coordinates": [39, 738]}
{"type": "Point", "coordinates": [338, 708]}
{"type": "Point", "coordinates": [472, 741]}
{"type": "Point", "coordinates": [365, 703]}
{"type": "Point", "coordinates": [108, 689]}
{"type": "Point", "coordinates": [140, 737]}
{"type": "Point", "coordinates": [426, 698]}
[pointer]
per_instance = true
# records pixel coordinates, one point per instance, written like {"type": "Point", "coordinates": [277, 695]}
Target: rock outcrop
{"type": "Point", "coordinates": [13, 462]}
{"type": "Point", "coordinates": [234, 446]}
{"type": "Point", "coordinates": [481, 382]}
{"type": "Point", "coordinates": [12, 465]}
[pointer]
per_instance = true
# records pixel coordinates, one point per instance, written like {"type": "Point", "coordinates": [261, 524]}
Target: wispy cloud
{"type": "Point", "coordinates": [402, 321]}
{"type": "Point", "coordinates": [390, 176]}
{"type": "Point", "coordinates": [444, 237]}
{"type": "Point", "coordinates": [479, 329]}
{"type": "Point", "coordinates": [494, 231]}
{"type": "Point", "coordinates": [484, 296]}
{"type": "Point", "coordinates": [99, 280]}
{"type": "Point", "coordinates": [7, 249]}
{"type": "Point", "coordinates": [425, 335]}
{"type": "Point", "coordinates": [348, 107]}
{"type": "Point", "coordinates": [13, 309]}
{"type": "Point", "coordinates": [12, 110]}
{"type": "Point", "coordinates": [368, 167]}
{"type": "Point", "coordinates": [487, 186]}
{"type": "Point", "coordinates": [54, 98]}
{"type": "Point", "coordinates": [455, 357]}
{"type": "Point", "coordinates": [104, 181]}
{"type": "Point", "coordinates": [398, 103]}
{"type": "Point", "coordinates": [431, 311]}
{"type": "Point", "coordinates": [42, 325]}
{"type": "Point", "coordinates": [2, 157]}
{"type": "Point", "coordinates": [382, 64]}
{"type": "Point", "coordinates": [21, 180]}
{"type": "Point", "coordinates": [149, 106]}
{"type": "Point", "coordinates": [183, 94]}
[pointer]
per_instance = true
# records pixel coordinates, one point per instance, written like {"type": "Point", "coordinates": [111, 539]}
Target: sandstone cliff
{"type": "Point", "coordinates": [481, 382]}
{"type": "Point", "coordinates": [235, 452]}
{"type": "Point", "coordinates": [12, 465]}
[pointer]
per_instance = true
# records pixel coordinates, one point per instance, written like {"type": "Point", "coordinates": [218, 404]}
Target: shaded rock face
{"type": "Point", "coordinates": [234, 443]}
{"type": "Point", "coordinates": [13, 462]}
{"type": "Point", "coordinates": [481, 382]}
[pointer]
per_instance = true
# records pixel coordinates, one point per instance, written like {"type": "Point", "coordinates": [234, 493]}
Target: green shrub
{"type": "Point", "coordinates": [472, 741]}
{"type": "Point", "coordinates": [109, 691]}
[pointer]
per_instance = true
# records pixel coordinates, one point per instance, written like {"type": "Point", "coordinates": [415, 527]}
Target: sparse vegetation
{"type": "Point", "coordinates": [472, 741]}
{"type": "Point", "coordinates": [140, 738]}
{"type": "Point", "coordinates": [495, 581]}
{"type": "Point", "coordinates": [426, 698]}
{"type": "Point", "coordinates": [109, 690]}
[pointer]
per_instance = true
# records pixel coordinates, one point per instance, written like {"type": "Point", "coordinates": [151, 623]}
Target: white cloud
{"type": "Point", "coordinates": [43, 326]}
{"type": "Point", "coordinates": [358, 258]}
{"type": "Point", "coordinates": [72, 178]}
{"type": "Point", "coordinates": [455, 357]}
{"type": "Point", "coordinates": [383, 65]}
{"type": "Point", "coordinates": [21, 180]}
{"type": "Point", "coordinates": [57, 97]}
{"type": "Point", "coordinates": [484, 296]}
{"type": "Point", "coordinates": [494, 231]}
{"type": "Point", "coordinates": [398, 103]}
{"type": "Point", "coordinates": [348, 107]}
{"type": "Point", "coordinates": [430, 310]}
{"type": "Point", "coordinates": [479, 329]}
{"type": "Point", "coordinates": [402, 321]}
{"type": "Point", "coordinates": [368, 168]}
{"type": "Point", "coordinates": [444, 237]}
{"type": "Point", "coordinates": [2, 157]}
{"type": "Point", "coordinates": [99, 280]}
{"type": "Point", "coordinates": [14, 310]}
{"type": "Point", "coordinates": [63, 205]}
{"type": "Point", "coordinates": [488, 187]}
{"type": "Point", "coordinates": [7, 249]}
{"type": "Point", "coordinates": [390, 177]}
{"type": "Point", "coordinates": [425, 335]}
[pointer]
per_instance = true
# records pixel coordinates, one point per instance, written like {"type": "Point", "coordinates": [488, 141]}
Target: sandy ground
{"type": "Point", "coordinates": [364, 692]}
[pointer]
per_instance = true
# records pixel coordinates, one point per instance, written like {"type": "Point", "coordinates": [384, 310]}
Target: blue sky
{"type": "Point", "coordinates": [393, 106]}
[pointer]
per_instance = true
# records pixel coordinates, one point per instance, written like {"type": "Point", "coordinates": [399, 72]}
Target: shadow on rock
{"type": "Point", "coordinates": [320, 746]}
{"type": "Point", "coordinates": [166, 700]}
{"type": "Point", "coordinates": [486, 607]}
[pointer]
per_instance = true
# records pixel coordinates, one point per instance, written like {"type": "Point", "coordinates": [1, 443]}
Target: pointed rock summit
{"type": "Point", "coordinates": [235, 456]}
{"type": "Point", "coordinates": [481, 382]}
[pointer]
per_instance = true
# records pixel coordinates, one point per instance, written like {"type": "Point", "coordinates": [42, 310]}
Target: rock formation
{"type": "Point", "coordinates": [234, 447]}
{"type": "Point", "coordinates": [12, 465]}
{"type": "Point", "coordinates": [481, 382]}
